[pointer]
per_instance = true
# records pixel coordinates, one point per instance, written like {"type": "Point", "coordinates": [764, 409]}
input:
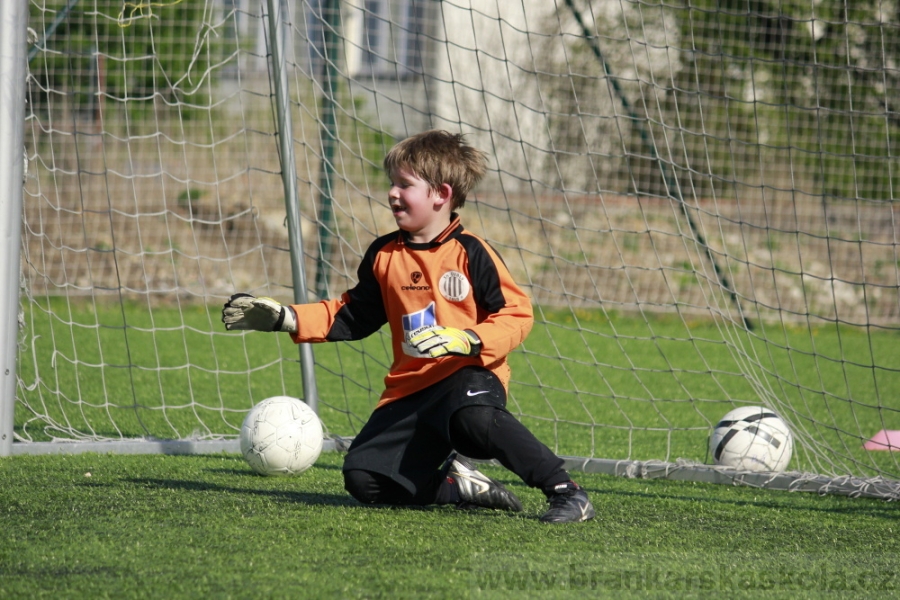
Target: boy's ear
{"type": "Point", "coordinates": [445, 192]}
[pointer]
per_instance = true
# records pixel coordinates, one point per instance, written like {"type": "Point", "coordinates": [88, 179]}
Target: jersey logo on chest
{"type": "Point", "coordinates": [454, 286]}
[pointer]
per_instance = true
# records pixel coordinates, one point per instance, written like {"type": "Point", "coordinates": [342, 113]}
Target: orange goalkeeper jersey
{"type": "Point", "coordinates": [456, 280]}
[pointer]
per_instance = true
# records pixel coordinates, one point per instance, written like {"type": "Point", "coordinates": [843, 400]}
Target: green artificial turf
{"type": "Point", "coordinates": [118, 526]}
{"type": "Point", "coordinates": [124, 526]}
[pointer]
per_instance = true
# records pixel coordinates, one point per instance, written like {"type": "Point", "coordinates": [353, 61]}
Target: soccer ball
{"type": "Point", "coordinates": [752, 438]}
{"type": "Point", "coordinates": [281, 436]}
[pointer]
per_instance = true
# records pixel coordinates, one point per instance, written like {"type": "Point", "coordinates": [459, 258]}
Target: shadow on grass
{"type": "Point", "coordinates": [247, 471]}
{"type": "Point", "coordinates": [311, 498]}
{"type": "Point", "coordinates": [308, 498]}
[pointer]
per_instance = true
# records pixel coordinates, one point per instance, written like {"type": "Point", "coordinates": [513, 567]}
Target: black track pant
{"type": "Point", "coordinates": [480, 432]}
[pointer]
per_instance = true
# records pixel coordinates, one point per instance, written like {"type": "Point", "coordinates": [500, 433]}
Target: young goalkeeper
{"type": "Point", "coordinates": [455, 313]}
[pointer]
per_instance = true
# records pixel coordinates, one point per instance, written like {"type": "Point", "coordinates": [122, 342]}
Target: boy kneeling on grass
{"type": "Point", "coordinates": [455, 314]}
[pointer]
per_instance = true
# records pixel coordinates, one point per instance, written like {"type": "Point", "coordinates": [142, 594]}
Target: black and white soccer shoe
{"type": "Point", "coordinates": [569, 503]}
{"type": "Point", "coordinates": [476, 489]}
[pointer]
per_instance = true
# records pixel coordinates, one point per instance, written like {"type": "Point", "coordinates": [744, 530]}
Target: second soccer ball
{"type": "Point", "coordinates": [752, 438]}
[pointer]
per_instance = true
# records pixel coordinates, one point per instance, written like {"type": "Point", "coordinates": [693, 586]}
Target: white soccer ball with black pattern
{"type": "Point", "coordinates": [752, 438]}
{"type": "Point", "coordinates": [281, 436]}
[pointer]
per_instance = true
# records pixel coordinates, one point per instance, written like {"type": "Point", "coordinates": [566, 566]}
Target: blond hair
{"type": "Point", "coordinates": [440, 157]}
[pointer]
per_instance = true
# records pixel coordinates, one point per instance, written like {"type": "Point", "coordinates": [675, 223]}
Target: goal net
{"type": "Point", "coordinates": [699, 198]}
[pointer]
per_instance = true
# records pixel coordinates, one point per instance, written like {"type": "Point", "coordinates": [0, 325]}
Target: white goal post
{"type": "Point", "coordinates": [700, 200]}
{"type": "Point", "coordinates": [12, 145]}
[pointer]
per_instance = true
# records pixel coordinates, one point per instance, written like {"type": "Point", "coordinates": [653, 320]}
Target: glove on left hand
{"type": "Point", "coordinates": [436, 341]}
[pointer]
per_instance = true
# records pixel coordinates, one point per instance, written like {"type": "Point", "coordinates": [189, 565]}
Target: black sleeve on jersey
{"type": "Point", "coordinates": [484, 275]}
{"type": "Point", "coordinates": [364, 313]}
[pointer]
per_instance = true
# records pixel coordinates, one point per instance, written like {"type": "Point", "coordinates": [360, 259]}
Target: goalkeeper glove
{"type": "Point", "coordinates": [246, 312]}
{"type": "Point", "coordinates": [435, 341]}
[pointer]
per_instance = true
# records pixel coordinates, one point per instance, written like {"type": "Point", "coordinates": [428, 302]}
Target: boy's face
{"type": "Point", "coordinates": [419, 210]}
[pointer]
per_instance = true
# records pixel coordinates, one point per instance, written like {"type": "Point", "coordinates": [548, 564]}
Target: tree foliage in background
{"type": "Point", "coordinates": [802, 93]}
{"type": "Point", "coordinates": [739, 98]}
{"type": "Point", "coordinates": [154, 55]}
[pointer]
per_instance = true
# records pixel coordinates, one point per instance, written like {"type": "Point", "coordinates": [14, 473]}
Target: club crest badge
{"type": "Point", "coordinates": [454, 286]}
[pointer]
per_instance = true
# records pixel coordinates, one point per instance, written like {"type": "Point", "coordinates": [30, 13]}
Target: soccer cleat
{"type": "Point", "coordinates": [568, 504]}
{"type": "Point", "coordinates": [477, 489]}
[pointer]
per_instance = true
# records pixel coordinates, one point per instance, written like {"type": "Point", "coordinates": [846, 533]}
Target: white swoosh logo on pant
{"type": "Point", "coordinates": [471, 393]}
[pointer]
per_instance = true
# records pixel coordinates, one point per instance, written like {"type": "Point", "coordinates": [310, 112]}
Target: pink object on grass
{"type": "Point", "coordinates": [886, 439]}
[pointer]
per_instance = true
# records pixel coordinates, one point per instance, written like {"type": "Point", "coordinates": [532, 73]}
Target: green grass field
{"type": "Point", "coordinates": [89, 526]}
{"type": "Point", "coordinates": [106, 526]}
